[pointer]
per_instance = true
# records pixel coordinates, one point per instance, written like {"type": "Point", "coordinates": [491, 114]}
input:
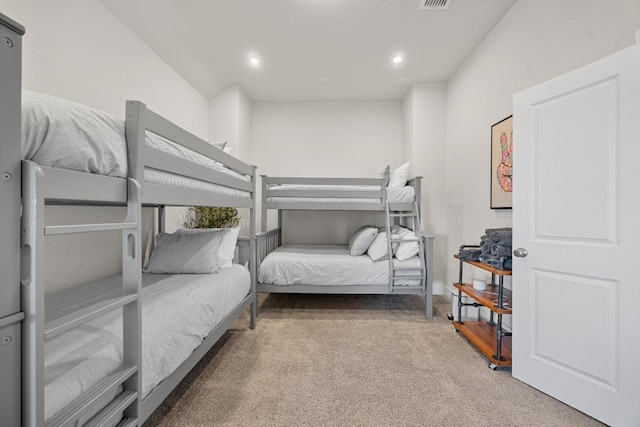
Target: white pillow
{"type": "Point", "coordinates": [219, 145]}
{"type": "Point", "coordinates": [399, 176]}
{"type": "Point", "coordinates": [185, 253]}
{"type": "Point", "coordinates": [227, 250]}
{"type": "Point", "coordinates": [379, 249]}
{"type": "Point", "coordinates": [55, 130]}
{"type": "Point", "coordinates": [399, 230]}
{"type": "Point", "coordinates": [362, 239]}
{"type": "Point", "coordinates": [407, 250]}
{"type": "Point", "coordinates": [383, 172]}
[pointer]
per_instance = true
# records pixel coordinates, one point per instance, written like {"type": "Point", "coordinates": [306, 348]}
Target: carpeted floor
{"type": "Point", "coordinates": [353, 361]}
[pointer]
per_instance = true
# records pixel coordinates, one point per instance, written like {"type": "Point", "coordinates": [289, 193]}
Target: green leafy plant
{"type": "Point", "coordinates": [212, 217]}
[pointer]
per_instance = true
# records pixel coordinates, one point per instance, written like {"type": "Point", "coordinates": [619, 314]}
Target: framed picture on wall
{"type": "Point", "coordinates": [502, 164]}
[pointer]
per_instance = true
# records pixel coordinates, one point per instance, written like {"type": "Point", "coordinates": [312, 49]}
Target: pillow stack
{"type": "Point", "coordinates": [373, 242]}
{"type": "Point", "coordinates": [193, 251]}
{"type": "Point", "coordinates": [407, 249]}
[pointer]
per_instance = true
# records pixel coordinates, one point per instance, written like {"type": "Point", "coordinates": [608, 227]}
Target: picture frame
{"type": "Point", "coordinates": [502, 164]}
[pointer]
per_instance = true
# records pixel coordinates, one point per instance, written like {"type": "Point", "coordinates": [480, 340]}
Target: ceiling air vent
{"type": "Point", "coordinates": [434, 4]}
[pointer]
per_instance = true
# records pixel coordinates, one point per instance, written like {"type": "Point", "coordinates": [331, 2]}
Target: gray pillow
{"type": "Point", "coordinates": [362, 239]}
{"type": "Point", "coordinates": [186, 253]}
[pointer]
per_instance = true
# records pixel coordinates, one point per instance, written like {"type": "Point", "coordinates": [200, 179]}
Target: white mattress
{"type": "Point", "coordinates": [329, 265]}
{"type": "Point", "coordinates": [62, 134]}
{"type": "Point", "coordinates": [404, 194]}
{"type": "Point", "coordinates": [178, 312]}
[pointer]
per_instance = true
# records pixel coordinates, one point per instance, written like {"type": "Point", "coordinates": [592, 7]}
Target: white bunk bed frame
{"type": "Point", "coordinates": [22, 254]}
{"type": "Point", "coordinates": [268, 241]}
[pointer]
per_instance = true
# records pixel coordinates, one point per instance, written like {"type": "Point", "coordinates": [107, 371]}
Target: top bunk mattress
{"type": "Point", "coordinates": [329, 265]}
{"type": "Point", "coordinates": [62, 134]}
{"type": "Point", "coordinates": [178, 312]}
{"type": "Point", "coordinates": [404, 194]}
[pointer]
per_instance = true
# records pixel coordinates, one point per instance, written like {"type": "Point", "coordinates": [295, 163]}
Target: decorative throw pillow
{"type": "Point", "coordinates": [362, 239]}
{"type": "Point", "coordinates": [399, 176]}
{"type": "Point", "coordinates": [227, 250]}
{"type": "Point", "coordinates": [185, 253]}
{"type": "Point", "coordinates": [383, 172]}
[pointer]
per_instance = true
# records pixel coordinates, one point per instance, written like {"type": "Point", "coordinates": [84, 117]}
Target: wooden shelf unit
{"type": "Point", "coordinates": [486, 298]}
{"type": "Point", "coordinates": [483, 337]}
{"type": "Point", "coordinates": [488, 337]}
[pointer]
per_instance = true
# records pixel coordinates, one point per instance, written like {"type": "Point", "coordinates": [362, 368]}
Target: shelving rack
{"type": "Point", "coordinates": [488, 337]}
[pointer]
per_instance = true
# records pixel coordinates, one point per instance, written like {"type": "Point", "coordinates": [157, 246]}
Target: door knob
{"type": "Point", "coordinates": [520, 252]}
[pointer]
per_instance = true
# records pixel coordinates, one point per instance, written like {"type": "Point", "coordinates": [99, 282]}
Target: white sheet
{"type": "Point", "coordinates": [329, 265]}
{"type": "Point", "coordinates": [63, 134]}
{"type": "Point", "coordinates": [178, 312]}
{"type": "Point", "coordinates": [404, 194]}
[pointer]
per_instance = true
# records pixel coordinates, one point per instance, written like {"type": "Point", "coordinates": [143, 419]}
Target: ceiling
{"type": "Point", "coordinates": [311, 50]}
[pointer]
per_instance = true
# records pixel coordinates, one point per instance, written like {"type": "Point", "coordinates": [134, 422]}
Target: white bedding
{"type": "Point", "coordinates": [62, 134]}
{"type": "Point", "coordinates": [329, 265]}
{"type": "Point", "coordinates": [178, 312]}
{"type": "Point", "coordinates": [404, 194]}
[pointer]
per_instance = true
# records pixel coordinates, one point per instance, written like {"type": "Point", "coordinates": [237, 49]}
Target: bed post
{"type": "Point", "coordinates": [253, 258]}
{"type": "Point", "coordinates": [428, 296]}
{"type": "Point", "coordinates": [10, 185]}
{"type": "Point", "coordinates": [134, 130]}
{"type": "Point", "coordinates": [263, 206]}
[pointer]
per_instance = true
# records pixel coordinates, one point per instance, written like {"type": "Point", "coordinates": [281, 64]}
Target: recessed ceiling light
{"type": "Point", "coordinates": [323, 79]}
{"type": "Point", "coordinates": [254, 60]}
{"type": "Point", "coordinates": [398, 59]}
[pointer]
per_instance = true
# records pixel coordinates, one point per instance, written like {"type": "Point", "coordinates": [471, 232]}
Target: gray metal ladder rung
{"type": "Point", "coordinates": [85, 402]}
{"type": "Point", "coordinates": [113, 411]}
{"type": "Point", "coordinates": [408, 277]}
{"type": "Point", "coordinates": [128, 422]}
{"type": "Point", "coordinates": [402, 215]}
{"type": "Point", "coordinates": [53, 230]}
{"type": "Point", "coordinates": [399, 268]}
{"type": "Point", "coordinates": [405, 240]}
{"type": "Point", "coordinates": [70, 321]}
{"type": "Point", "coordinates": [406, 287]}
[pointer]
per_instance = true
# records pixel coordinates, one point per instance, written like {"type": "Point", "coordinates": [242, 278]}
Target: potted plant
{"type": "Point", "coordinates": [212, 217]}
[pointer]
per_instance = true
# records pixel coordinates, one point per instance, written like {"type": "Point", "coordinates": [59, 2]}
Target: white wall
{"type": "Point", "coordinates": [325, 139]}
{"type": "Point", "coordinates": [535, 41]}
{"type": "Point", "coordinates": [423, 143]}
{"type": "Point", "coordinates": [76, 49]}
{"type": "Point", "coordinates": [230, 120]}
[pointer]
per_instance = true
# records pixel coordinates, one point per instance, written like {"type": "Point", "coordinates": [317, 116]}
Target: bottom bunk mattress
{"type": "Point", "coordinates": [178, 312]}
{"type": "Point", "coordinates": [329, 265]}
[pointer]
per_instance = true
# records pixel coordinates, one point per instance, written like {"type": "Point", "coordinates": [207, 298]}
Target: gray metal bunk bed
{"type": "Point", "coordinates": [49, 323]}
{"type": "Point", "coordinates": [349, 194]}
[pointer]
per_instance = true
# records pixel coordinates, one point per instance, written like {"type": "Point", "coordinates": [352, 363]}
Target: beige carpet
{"type": "Point", "coordinates": [354, 361]}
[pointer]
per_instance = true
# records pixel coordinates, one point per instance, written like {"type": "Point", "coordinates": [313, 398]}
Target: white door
{"type": "Point", "coordinates": [576, 295]}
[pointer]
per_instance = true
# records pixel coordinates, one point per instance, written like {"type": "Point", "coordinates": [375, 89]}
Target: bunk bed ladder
{"type": "Point", "coordinates": [397, 273]}
{"type": "Point", "coordinates": [125, 382]}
